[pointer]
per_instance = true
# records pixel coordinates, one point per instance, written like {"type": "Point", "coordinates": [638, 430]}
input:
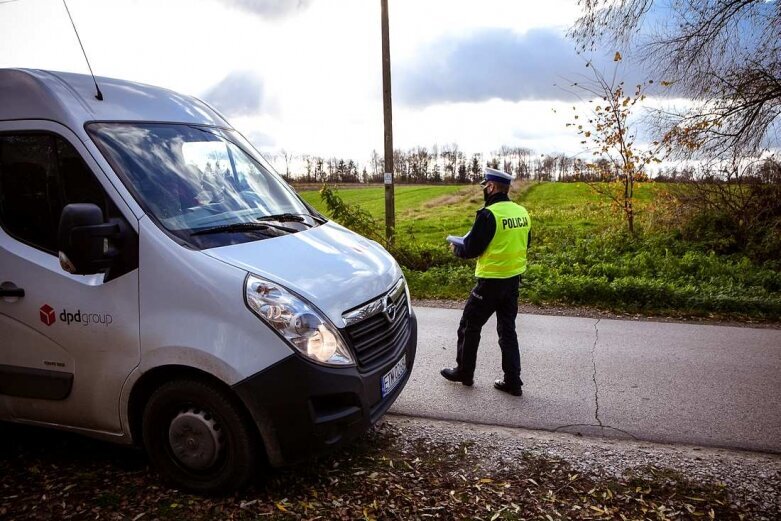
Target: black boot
{"type": "Point", "coordinates": [454, 375]}
{"type": "Point", "coordinates": [515, 390]}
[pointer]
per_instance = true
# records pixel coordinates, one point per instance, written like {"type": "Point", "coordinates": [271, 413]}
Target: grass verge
{"type": "Point", "coordinates": [580, 254]}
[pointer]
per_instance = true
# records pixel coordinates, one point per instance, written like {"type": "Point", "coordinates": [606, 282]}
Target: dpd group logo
{"type": "Point", "coordinates": [47, 315]}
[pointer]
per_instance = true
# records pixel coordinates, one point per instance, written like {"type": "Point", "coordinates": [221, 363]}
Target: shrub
{"type": "Point", "coordinates": [652, 272]}
{"type": "Point", "coordinates": [409, 252]}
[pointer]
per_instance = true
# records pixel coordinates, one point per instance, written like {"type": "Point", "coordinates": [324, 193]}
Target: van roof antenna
{"type": "Point", "coordinates": [99, 95]}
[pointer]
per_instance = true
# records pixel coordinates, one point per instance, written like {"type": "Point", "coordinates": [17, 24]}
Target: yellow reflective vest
{"type": "Point", "coordinates": [505, 255]}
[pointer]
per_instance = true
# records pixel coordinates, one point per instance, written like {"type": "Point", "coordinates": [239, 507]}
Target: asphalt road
{"type": "Point", "coordinates": [664, 382]}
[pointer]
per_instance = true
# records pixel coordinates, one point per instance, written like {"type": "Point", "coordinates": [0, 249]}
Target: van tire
{"type": "Point", "coordinates": [223, 433]}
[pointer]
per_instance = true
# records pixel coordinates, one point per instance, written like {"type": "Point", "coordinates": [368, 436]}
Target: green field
{"type": "Point", "coordinates": [430, 213]}
{"type": "Point", "coordinates": [580, 254]}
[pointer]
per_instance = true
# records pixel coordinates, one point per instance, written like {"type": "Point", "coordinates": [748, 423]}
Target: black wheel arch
{"type": "Point", "coordinates": [154, 378]}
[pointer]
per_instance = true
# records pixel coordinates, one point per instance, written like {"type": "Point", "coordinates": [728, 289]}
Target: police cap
{"type": "Point", "coordinates": [492, 174]}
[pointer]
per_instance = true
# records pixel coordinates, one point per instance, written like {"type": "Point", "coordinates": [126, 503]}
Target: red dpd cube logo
{"type": "Point", "coordinates": [47, 315]}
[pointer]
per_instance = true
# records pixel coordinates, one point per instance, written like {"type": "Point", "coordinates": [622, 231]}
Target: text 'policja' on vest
{"type": "Point", "coordinates": [514, 222]}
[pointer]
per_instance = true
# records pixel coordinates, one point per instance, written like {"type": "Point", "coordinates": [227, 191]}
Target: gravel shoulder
{"type": "Point", "coordinates": [752, 479]}
{"type": "Point", "coordinates": [404, 468]}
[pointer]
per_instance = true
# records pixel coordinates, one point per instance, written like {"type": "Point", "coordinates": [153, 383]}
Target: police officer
{"type": "Point", "coordinates": [499, 239]}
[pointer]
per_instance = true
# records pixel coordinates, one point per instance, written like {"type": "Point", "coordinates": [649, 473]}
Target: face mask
{"type": "Point", "coordinates": [485, 194]}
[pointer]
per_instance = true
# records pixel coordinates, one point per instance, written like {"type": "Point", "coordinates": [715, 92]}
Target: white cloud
{"type": "Point", "coordinates": [416, 23]}
{"type": "Point", "coordinates": [484, 127]}
{"type": "Point", "coordinates": [269, 8]}
{"type": "Point", "coordinates": [319, 68]}
{"type": "Point", "coordinates": [239, 93]}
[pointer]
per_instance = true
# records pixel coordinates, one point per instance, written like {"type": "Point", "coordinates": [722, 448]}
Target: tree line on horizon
{"type": "Point", "coordinates": [448, 164]}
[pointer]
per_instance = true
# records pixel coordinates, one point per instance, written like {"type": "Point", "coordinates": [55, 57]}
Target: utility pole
{"type": "Point", "coordinates": [390, 209]}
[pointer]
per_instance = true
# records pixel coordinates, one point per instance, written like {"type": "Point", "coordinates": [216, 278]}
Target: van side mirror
{"type": "Point", "coordinates": [88, 244]}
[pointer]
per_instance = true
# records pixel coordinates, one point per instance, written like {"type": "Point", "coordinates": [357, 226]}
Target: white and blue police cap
{"type": "Point", "coordinates": [492, 174]}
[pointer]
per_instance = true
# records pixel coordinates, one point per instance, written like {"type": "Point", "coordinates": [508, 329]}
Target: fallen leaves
{"type": "Point", "coordinates": [386, 475]}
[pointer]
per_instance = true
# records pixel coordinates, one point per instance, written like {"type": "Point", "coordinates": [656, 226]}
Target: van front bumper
{"type": "Point", "coordinates": [303, 409]}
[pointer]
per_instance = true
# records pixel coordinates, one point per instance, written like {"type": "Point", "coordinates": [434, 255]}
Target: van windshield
{"type": "Point", "coordinates": [202, 184]}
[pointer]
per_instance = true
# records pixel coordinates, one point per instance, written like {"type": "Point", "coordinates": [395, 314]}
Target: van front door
{"type": "Point", "coordinates": [68, 341]}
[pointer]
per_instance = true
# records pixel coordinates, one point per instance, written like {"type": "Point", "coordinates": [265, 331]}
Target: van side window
{"type": "Point", "coordinates": [39, 174]}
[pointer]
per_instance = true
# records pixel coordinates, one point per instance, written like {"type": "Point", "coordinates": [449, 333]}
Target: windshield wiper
{"type": "Point", "coordinates": [243, 227]}
{"type": "Point", "coordinates": [290, 217]}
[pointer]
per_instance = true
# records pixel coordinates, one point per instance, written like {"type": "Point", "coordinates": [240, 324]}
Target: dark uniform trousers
{"type": "Point", "coordinates": [487, 297]}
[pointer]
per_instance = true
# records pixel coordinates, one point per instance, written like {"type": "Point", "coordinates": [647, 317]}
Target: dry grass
{"type": "Point", "coordinates": [464, 195]}
{"type": "Point", "coordinates": [470, 194]}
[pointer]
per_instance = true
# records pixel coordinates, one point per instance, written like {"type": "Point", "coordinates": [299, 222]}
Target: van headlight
{"type": "Point", "coordinates": [297, 321]}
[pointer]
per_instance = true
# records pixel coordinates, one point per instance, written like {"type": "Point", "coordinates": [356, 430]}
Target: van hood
{"type": "Point", "coordinates": [329, 265]}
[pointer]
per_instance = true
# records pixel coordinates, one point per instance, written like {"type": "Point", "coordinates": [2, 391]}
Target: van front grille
{"type": "Point", "coordinates": [377, 338]}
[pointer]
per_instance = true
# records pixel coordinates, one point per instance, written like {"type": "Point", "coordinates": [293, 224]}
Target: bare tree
{"type": "Point", "coordinates": [563, 166]}
{"type": "Point", "coordinates": [725, 55]}
{"type": "Point", "coordinates": [476, 168]}
{"type": "Point", "coordinates": [523, 162]}
{"type": "Point", "coordinates": [288, 157]}
{"type": "Point", "coordinates": [450, 153]}
{"type": "Point", "coordinates": [317, 171]}
{"type": "Point", "coordinates": [377, 162]}
{"type": "Point", "coordinates": [739, 196]}
{"type": "Point", "coordinates": [545, 168]}
{"type": "Point", "coordinates": [419, 164]}
{"type": "Point", "coordinates": [505, 154]}
{"type": "Point", "coordinates": [331, 168]}
{"type": "Point", "coordinates": [607, 131]}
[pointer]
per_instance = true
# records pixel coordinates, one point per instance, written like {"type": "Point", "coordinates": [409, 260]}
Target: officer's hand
{"type": "Point", "coordinates": [452, 247]}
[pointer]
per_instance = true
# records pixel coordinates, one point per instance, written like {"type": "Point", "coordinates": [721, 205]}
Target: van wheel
{"type": "Point", "coordinates": [198, 438]}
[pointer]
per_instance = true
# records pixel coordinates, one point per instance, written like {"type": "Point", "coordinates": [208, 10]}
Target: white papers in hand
{"type": "Point", "coordinates": [454, 239]}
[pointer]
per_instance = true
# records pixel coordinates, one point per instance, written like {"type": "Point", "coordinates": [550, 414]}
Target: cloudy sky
{"type": "Point", "coordinates": [305, 75]}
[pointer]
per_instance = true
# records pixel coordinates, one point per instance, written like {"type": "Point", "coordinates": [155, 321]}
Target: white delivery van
{"type": "Point", "coordinates": [160, 285]}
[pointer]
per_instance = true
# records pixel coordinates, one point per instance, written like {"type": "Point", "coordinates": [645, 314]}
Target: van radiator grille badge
{"type": "Point", "coordinates": [379, 337]}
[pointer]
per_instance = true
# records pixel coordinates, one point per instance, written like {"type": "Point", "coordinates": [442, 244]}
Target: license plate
{"type": "Point", "coordinates": [392, 378]}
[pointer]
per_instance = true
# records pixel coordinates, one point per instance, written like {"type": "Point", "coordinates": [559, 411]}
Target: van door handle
{"type": "Point", "coordinates": [11, 291]}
